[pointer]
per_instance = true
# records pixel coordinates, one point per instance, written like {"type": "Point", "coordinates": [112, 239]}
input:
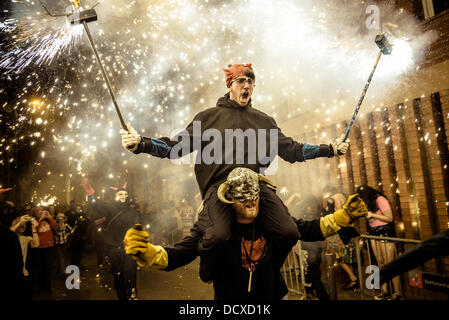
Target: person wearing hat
{"type": "Point", "coordinates": [62, 233]}
{"type": "Point", "coordinates": [113, 220]}
{"type": "Point", "coordinates": [247, 265]}
{"type": "Point", "coordinates": [79, 222]}
{"type": "Point", "coordinates": [234, 113]}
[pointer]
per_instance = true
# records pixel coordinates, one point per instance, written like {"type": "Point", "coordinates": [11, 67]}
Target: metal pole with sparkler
{"type": "Point", "coordinates": [84, 17]}
{"type": "Point", "coordinates": [385, 47]}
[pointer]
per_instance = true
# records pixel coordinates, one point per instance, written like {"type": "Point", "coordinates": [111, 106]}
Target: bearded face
{"type": "Point", "coordinates": [246, 211]}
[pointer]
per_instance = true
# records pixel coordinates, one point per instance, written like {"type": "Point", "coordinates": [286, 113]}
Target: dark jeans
{"type": "Point", "coordinates": [436, 246]}
{"type": "Point", "coordinates": [314, 277]}
{"type": "Point", "coordinates": [60, 250]}
{"type": "Point", "coordinates": [76, 251]}
{"type": "Point", "coordinates": [215, 222]}
{"type": "Point", "coordinates": [43, 264]}
{"type": "Point", "coordinates": [124, 271]}
{"type": "Point", "coordinates": [99, 247]}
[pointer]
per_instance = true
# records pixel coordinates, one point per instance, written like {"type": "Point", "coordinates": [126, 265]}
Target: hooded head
{"type": "Point", "coordinates": [241, 189]}
{"type": "Point", "coordinates": [240, 81]}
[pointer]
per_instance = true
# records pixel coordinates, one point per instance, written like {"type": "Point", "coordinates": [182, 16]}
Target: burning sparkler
{"type": "Point", "coordinates": [36, 41]}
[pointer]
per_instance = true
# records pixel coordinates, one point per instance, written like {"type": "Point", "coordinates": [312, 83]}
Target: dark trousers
{"type": "Point", "coordinates": [314, 277]}
{"type": "Point", "coordinates": [215, 222]}
{"type": "Point", "coordinates": [436, 246]}
{"type": "Point", "coordinates": [76, 251]}
{"type": "Point", "coordinates": [124, 271]}
{"type": "Point", "coordinates": [99, 247]}
{"type": "Point", "coordinates": [60, 251]}
{"type": "Point", "coordinates": [43, 265]}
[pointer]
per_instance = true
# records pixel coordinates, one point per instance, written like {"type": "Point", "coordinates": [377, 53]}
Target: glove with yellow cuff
{"type": "Point", "coordinates": [138, 246]}
{"type": "Point", "coordinates": [352, 210]}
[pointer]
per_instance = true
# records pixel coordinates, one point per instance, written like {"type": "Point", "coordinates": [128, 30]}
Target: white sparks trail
{"type": "Point", "coordinates": [38, 45]}
{"type": "Point", "coordinates": [164, 59]}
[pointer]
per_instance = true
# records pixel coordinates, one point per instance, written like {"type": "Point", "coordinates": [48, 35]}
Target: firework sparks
{"type": "Point", "coordinates": [39, 42]}
{"type": "Point", "coordinates": [165, 57]}
{"type": "Point", "coordinates": [47, 200]}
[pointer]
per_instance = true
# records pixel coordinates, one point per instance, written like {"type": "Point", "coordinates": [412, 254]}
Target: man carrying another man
{"type": "Point", "coordinates": [234, 114]}
{"type": "Point", "coordinates": [246, 267]}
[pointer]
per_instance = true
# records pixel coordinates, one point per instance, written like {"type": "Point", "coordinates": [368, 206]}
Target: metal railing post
{"type": "Point", "coordinates": [359, 267]}
{"type": "Point", "coordinates": [368, 244]}
{"type": "Point", "coordinates": [331, 275]}
{"type": "Point", "coordinates": [296, 266]}
{"type": "Point", "coordinates": [385, 240]}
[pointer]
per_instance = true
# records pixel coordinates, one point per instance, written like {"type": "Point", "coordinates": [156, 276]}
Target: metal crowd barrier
{"type": "Point", "coordinates": [294, 271]}
{"type": "Point", "coordinates": [384, 241]}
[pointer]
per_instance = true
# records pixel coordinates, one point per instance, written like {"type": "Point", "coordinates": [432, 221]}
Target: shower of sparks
{"type": "Point", "coordinates": [37, 40]}
{"type": "Point", "coordinates": [164, 59]}
{"type": "Point", "coordinates": [48, 200]}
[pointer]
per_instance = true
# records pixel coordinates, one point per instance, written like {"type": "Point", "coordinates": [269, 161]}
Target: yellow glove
{"type": "Point", "coordinates": [138, 246]}
{"type": "Point", "coordinates": [352, 210]}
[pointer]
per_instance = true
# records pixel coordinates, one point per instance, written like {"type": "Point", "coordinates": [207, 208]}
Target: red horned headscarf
{"type": "Point", "coordinates": [116, 189]}
{"type": "Point", "coordinates": [235, 71]}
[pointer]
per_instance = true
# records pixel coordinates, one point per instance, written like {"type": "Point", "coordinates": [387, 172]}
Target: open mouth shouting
{"type": "Point", "coordinates": [244, 98]}
{"type": "Point", "coordinates": [241, 90]}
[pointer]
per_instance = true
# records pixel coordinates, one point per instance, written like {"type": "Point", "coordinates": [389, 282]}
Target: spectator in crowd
{"type": "Point", "coordinates": [71, 211]}
{"type": "Point", "coordinates": [11, 267]}
{"type": "Point", "coordinates": [311, 210]}
{"type": "Point", "coordinates": [99, 225]}
{"type": "Point", "coordinates": [90, 228]}
{"type": "Point", "coordinates": [139, 205]}
{"type": "Point", "coordinates": [294, 204]}
{"type": "Point", "coordinates": [52, 211]}
{"type": "Point", "coordinates": [27, 208]}
{"type": "Point", "coordinates": [45, 227]}
{"type": "Point", "coordinates": [149, 214]}
{"type": "Point", "coordinates": [177, 222]}
{"type": "Point", "coordinates": [187, 214]}
{"type": "Point", "coordinates": [79, 222]}
{"type": "Point", "coordinates": [167, 223]}
{"type": "Point", "coordinates": [198, 204]}
{"type": "Point", "coordinates": [380, 218]}
{"type": "Point", "coordinates": [25, 228]}
{"type": "Point", "coordinates": [62, 233]}
{"type": "Point", "coordinates": [344, 254]}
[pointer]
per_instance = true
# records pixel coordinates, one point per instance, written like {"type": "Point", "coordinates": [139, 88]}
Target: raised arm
{"type": "Point", "coordinates": [173, 148]}
{"type": "Point", "coordinates": [100, 207]}
{"type": "Point", "coordinates": [292, 151]}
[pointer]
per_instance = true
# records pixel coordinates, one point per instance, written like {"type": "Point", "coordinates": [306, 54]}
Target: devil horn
{"type": "Point", "coordinates": [222, 191]}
